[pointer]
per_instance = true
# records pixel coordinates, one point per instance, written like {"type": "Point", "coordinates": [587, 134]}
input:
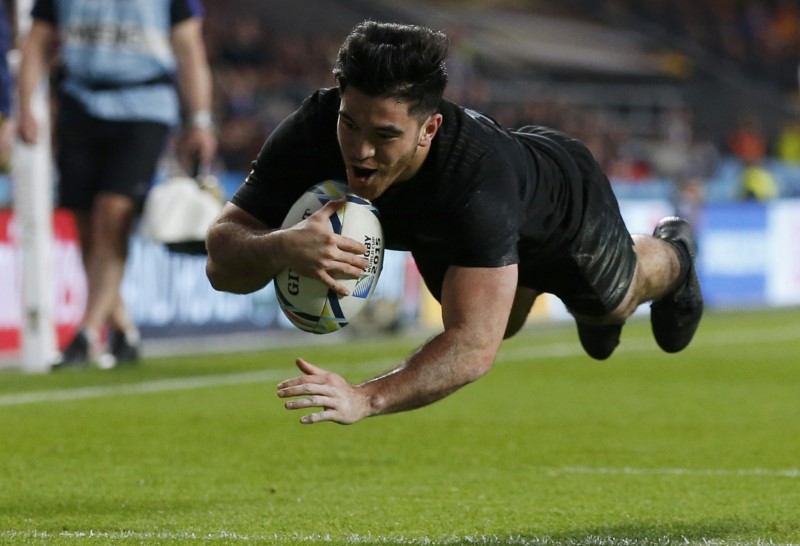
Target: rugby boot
{"type": "Point", "coordinates": [76, 354]}
{"type": "Point", "coordinates": [599, 341]}
{"type": "Point", "coordinates": [124, 349]}
{"type": "Point", "coordinates": [675, 317]}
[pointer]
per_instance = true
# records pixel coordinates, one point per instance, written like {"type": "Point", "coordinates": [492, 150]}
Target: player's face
{"type": "Point", "coordinates": [381, 142]}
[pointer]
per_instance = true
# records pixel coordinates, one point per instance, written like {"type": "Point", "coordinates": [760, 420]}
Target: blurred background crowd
{"type": "Point", "coordinates": [691, 97]}
{"type": "Point", "coordinates": [694, 100]}
{"type": "Point", "coordinates": [762, 37]}
{"type": "Point", "coordinates": [688, 105]}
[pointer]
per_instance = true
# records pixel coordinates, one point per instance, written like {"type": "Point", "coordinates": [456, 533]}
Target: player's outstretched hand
{"type": "Point", "coordinates": [318, 253]}
{"type": "Point", "coordinates": [341, 401]}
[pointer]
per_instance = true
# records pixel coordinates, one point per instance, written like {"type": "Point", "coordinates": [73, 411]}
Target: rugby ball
{"type": "Point", "coordinates": [309, 303]}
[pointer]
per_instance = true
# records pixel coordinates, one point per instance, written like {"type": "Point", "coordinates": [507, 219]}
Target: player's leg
{"type": "Point", "coordinates": [132, 156]}
{"type": "Point", "coordinates": [600, 294]}
{"type": "Point", "coordinates": [622, 272]}
{"type": "Point", "coordinates": [664, 274]}
{"type": "Point", "coordinates": [123, 334]}
{"type": "Point", "coordinates": [675, 313]}
{"type": "Point", "coordinates": [78, 176]}
{"type": "Point", "coordinates": [112, 219]}
{"type": "Point", "coordinates": [77, 352]}
{"type": "Point", "coordinates": [95, 233]}
{"type": "Point", "coordinates": [520, 309]}
{"type": "Point", "coordinates": [654, 268]}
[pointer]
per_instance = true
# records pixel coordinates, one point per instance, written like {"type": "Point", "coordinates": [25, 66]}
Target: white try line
{"type": "Point", "coordinates": [480, 540]}
{"type": "Point", "coordinates": [631, 471]}
{"type": "Point", "coordinates": [162, 385]}
{"type": "Point", "coordinates": [641, 344]}
{"type": "Point", "coordinates": [553, 350]}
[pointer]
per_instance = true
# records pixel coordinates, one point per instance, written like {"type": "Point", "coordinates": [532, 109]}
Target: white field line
{"type": "Point", "coordinates": [165, 385]}
{"type": "Point", "coordinates": [553, 350]}
{"type": "Point", "coordinates": [485, 540]}
{"type": "Point", "coordinates": [647, 344]}
{"type": "Point", "coordinates": [161, 385]}
{"type": "Point", "coordinates": [631, 471]}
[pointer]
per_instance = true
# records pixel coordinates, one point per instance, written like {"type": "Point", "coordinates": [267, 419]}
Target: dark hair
{"type": "Point", "coordinates": [392, 60]}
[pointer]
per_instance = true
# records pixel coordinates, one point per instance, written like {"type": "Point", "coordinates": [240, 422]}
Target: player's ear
{"type": "Point", "coordinates": [429, 129]}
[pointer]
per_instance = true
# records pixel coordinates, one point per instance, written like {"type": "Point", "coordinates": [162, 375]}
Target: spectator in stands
{"type": "Point", "coordinates": [116, 106]}
{"type": "Point", "coordinates": [788, 144]}
{"type": "Point", "coordinates": [748, 142]}
{"type": "Point", "coordinates": [757, 184]}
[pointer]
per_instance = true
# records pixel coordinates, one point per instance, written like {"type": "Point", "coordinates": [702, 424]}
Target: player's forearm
{"type": "Point", "coordinates": [195, 82]}
{"type": "Point", "coordinates": [194, 75]}
{"type": "Point", "coordinates": [242, 259]}
{"type": "Point", "coordinates": [446, 363]}
{"type": "Point", "coordinates": [33, 65]}
{"type": "Point", "coordinates": [29, 77]}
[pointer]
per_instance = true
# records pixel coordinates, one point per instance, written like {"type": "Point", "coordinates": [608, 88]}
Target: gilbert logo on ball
{"type": "Point", "coordinates": [308, 303]}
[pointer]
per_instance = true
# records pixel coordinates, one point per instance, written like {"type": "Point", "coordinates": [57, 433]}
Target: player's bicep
{"type": "Point", "coordinates": [186, 36]}
{"type": "Point", "coordinates": [232, 213]}
{"type": "Point", "coordinates": [476, 302]}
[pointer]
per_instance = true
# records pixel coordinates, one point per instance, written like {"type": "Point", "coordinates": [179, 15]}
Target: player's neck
{"type": "Point", "coordinates": [415, 165]}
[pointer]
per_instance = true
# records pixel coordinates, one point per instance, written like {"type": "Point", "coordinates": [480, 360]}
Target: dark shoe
{"type": "Point", "coordinates": [599, 341]}
{"type": "Point", "coordinates": [122, 349]}
{"type": "Point", "coordinates": [76, 354]}
{"type": "Point", "coordinates": [675, 317]}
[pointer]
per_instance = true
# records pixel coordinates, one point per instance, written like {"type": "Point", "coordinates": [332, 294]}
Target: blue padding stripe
{"type": "Point", "coordinates": [336, 308]}
{"type": "Point", "coordinates": [336, 223]}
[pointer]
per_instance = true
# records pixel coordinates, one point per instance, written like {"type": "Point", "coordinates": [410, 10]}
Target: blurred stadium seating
{"type": "Point", "coordinates": [656, 89]}
{"type": "Point", "coordinates": [646, 84]}
{"type": "Point", "coordinates": [640, 82]}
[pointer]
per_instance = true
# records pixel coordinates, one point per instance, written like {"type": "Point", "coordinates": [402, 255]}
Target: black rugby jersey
{"type": "Point", "coordinates": [485, 196]}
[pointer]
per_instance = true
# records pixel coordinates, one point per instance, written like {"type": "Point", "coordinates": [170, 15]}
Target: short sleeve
{"type": "Point", "coordinates": [299, 153]}
{"type": "Point", "coordinates": [486, 226]}
{"type": "Point", "coordinates": [45, 10]}
{"type": "Point", "coordinates": [180, 10]}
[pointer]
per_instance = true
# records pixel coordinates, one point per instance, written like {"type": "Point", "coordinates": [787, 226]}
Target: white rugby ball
{"type": "Point", "coordinates": [308, 303]}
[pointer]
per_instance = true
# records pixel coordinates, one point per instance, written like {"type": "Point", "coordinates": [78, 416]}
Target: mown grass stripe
{"type": "Point", "coordinates": [485, 540]}
{"type": "Point", "coordinates": [760, 472]}
{"type": "Point", "coordinates": [506, 355]}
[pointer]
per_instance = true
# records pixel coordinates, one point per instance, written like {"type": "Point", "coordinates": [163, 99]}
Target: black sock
{"type": "Point", "coordinates": [684, 259]}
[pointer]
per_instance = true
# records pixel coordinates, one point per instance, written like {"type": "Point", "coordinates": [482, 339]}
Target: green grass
{"type": "Point", "coordinates": [551, 448]}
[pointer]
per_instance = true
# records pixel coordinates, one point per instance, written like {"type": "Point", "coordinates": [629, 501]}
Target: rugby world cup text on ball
{"type": "Point", "coordinates": [373, 254]}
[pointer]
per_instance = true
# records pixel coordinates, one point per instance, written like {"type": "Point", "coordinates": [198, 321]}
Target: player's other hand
{"type": "Point", "coordinates": [316, 252]}
{"type": "Point", "coordinates": [202, 142]}
{"type": "Point", "coordinates": [339, 400]}
{"type": "Point", "coordinates": [27, 128]}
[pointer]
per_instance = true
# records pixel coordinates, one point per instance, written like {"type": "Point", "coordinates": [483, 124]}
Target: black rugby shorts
{"type": "Point", "coordinates": [96, 155]}
{"type": "Point", "coordinates": [591, 274]}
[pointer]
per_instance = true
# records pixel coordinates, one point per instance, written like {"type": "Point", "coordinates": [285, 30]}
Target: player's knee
{"type": "Point", "coordinates": [619, 315]}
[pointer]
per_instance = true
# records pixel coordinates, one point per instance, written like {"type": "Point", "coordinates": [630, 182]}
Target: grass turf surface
{"type": "Point", "coordinates": [551, 448]}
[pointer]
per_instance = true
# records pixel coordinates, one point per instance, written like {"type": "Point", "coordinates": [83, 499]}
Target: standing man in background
{"type": "Point", "coordinates": [117, 104]}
